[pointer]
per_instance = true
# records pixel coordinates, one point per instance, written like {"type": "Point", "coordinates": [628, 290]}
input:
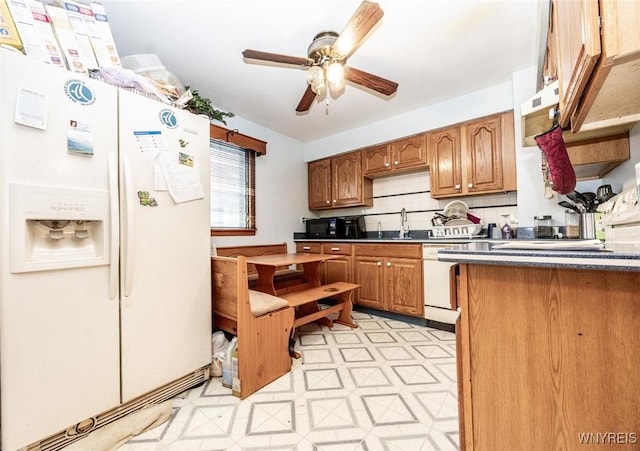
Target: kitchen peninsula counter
{"type": "Point", "coordinates": [485, 252]}
{"type": "Point", "coordinates": [548, 348]}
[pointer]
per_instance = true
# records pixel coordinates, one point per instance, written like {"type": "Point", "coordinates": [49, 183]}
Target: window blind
{"type": "Point", "coordinates": [232, 186]}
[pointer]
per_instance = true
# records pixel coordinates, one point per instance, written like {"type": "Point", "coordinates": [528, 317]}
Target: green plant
{"type": "Point", "coordinates": [202, 105]}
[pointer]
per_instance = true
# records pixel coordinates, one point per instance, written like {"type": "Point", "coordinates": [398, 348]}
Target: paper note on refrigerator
{"type": "Point", "coordinates": [183, 179]}
{"type": "Point", "coordinates": [31, 109]}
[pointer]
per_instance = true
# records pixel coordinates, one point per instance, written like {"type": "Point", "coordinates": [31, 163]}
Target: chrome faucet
{"type": "Point", "coordinates": [403, 221]}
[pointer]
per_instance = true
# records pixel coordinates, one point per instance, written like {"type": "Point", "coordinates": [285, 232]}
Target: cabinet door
{"type": "Point", "coordinates": [483, 155]}
{"type": "Point", "coordinates": [577, 31]}
{"type": "Point", "coordinates": [409, 153]}
{"type": "Point", "coordinates": [319, 178]}
{"type": "Point", "coordinates": [403, 286]}
{"type": "Point", "coordinates": [376, 160]}
{"type": "Point", "coordinates": [369, 274]}
{"type": "Point", "coordinates": [336, 270]}
{"type": "Point", "coordinates": [445, 172]}
{"type": "Point", "coordinates": [347, 186]}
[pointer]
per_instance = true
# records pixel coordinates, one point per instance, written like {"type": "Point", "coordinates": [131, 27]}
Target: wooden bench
{"type": "Point", "coordinates": [306, 303]}
{"type": "Point", "coordinates": [284, 277]}
{"type": "Point", "coordinates": [262, 340]}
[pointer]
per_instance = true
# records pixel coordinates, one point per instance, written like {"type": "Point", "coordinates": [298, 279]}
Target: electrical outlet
{"type": "Point", "coordinates": [301, 219]}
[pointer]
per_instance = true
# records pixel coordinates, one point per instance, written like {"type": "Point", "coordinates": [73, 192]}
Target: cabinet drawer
{"type": "Point", "coordinates": [336, 248]}
{"type": "Point", "coordinates": [389, 250]}
{"type": "Point", "coordinates": [312, 248]}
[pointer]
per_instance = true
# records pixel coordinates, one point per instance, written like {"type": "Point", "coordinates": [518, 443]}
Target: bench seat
{"type": "Point", "coordinates": [305, 302]}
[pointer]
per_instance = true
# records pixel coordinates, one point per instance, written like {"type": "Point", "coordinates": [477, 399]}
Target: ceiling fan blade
{"type": "Point", "coordinates": [378, 84]}
{"type": "Point", "coordinates": [276, 58]}
{"type": "Point", "coordinates": [306, 101]}
{"type": "Point", "coordinates": [364, 19]}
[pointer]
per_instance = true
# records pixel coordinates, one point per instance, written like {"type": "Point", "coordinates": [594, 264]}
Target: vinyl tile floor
{"type": "Point", "coordinates": [387, 385]}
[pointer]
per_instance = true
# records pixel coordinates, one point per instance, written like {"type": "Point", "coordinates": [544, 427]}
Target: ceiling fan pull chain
{"type": "Point", "coordinates": [326, 109]}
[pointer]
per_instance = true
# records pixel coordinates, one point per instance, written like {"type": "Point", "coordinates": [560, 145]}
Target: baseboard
{"type": "Point", "coordinates": [447, 327]}
{"type": "Point", "coordinates": [75, 432]}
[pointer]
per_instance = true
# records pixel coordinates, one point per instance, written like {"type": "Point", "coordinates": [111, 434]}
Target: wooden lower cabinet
{"type": "Point", "coordinates": [388, 282]}
{"type": "Point", "coordinates": [369, 274]}
{"type": "Point", "coordinates": [548, 358]}
{"type": "Point", "coordinates": [390, 275]}
{"type": "Point", "coordinates": [334, 270]}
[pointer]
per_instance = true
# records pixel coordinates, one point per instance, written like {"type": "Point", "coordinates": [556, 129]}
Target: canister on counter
{"type": "Point", "coordinates": [542, 227]}
{"type": "Point", "coordinates": [571, 224]}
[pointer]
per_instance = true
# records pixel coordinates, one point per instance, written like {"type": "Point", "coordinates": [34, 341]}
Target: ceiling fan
{"type": "Point", "coordinates": [327, 55]}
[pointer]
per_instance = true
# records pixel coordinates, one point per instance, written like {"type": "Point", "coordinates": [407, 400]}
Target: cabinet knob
{"type": "Point", "coordinates": [457, 186]}
{"type": "Point", "coordinates": [388, 264]}
{"type": "Point", "coordinates": [470, 185]}
{"type": "Point", "coordinates": [335, 249]}
{"type": "Point", "coordinates": [379, 263]}
{"type": "Point", "coordinates": [386, 165]}
{"type": "Point", "coordinates": [306, 248]}
{"type": "Point", "coordinates": [396, 162]}
{"type": "Point", "coordinates": [328, 201]}
{"type": "Point", "coordinates": [334, 201]}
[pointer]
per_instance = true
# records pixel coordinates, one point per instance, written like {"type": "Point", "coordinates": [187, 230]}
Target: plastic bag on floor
{"type": "Point", "coordinates": [219, 345]}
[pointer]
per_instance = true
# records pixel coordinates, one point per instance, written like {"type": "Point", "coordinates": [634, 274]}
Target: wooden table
{"type": "Point", "coordinates": [304, 296]}
{"type": "Point", "coordinates": [266, 266]}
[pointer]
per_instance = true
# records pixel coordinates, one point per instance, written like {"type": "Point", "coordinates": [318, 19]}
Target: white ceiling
{"type": "Point", "coordinates": [434, 49]}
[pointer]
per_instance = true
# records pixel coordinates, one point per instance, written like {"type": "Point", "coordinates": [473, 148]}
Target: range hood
{"type": "Point", "coordinates": [537, 113]}
{"type": "Point", "coordinates": [592, 154]}
{"type": "Point", "coordinates": [542, 101]}
{"type": "Point", "coordinates": [537, 117]}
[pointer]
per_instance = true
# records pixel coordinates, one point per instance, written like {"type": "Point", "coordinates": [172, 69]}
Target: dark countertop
{"type": "Point", "coordinates": [484, 253]}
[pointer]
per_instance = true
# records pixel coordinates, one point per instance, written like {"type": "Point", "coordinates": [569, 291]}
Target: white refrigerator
{"type": "Point", "coordinates": [104, 253]}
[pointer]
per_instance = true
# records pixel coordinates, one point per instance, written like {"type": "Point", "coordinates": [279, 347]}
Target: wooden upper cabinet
{"type": "Point", "coordinates": [476, 157]}
{"type": "Point", "coordinates": [376, 160]}
{"type": "Point", "coordinates": [577, 33]}
{"type": "Point", "coordinates": [338, 182]}
{"type": "Point", "coordinates": [319, 179]}
{"type": "Point", "coordinates": [446, 176]}
{"type": "Point", "coordinates": [403, 155]}
{"type": "Point", "coordinates": [409, 153]}
{"type": "Point", "coordinates": [483, 155]}
{"type": "Point", "coordinates": [598, 61]}
{"type": "Point", "coordinates": [347, 180]}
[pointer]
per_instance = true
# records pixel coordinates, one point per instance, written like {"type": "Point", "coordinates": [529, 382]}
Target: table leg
{"type": "Point", "coordinates": [265, 279]}
{"type": "Point", "coordinates": [344, 317]}
{"type": "Point", "coordinates": [310, 270]}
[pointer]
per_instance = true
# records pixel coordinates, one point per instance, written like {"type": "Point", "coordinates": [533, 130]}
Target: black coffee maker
{"type": "Point", "coordinates": [354, 227]}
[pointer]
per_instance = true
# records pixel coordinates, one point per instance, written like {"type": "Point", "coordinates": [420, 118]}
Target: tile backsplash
{"type": "Point", "coordinates": [411, 192]}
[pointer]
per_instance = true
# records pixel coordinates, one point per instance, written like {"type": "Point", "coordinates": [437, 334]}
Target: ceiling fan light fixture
{"type": "Point", "coordinates": [335, 73]}
{"type": "Point", "coordinates": [315, 75]}
{"type": "Point", "coordinates": [319, 89]}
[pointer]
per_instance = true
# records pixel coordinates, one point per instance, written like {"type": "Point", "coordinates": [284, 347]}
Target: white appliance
{"type": "Point", "coordinates": [437, 280]}
{"type": "Point", "coordinates": [104, 274]}
{"type": "Point", "coordinates": [621, 220]}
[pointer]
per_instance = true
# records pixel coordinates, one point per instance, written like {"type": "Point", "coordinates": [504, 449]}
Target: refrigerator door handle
{"type": "Point", "coordinates": [130, 226]}
{"type": "Point", "coordinates": [114, 226]}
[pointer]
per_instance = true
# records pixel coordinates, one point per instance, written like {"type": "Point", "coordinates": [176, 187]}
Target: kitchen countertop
{"type": "Point", "coordinates": [397, 240]}
{"type": "Point", "coordinates": [484, 253]}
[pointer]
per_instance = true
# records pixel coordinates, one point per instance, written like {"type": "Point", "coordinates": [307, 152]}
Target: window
{"type": "Point", "coordinates": [232, 189]}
